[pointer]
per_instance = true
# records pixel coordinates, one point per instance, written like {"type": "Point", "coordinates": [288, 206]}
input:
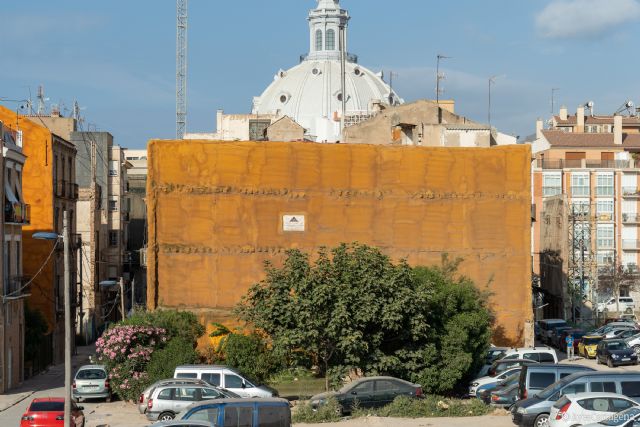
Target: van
{"type": "Point", "coordinates": [225, 377]}
{"type": "Point", "coordinates": [547, 326]}
{"type": "Point", "coordinates": [535, 378]}
{"type": "Point", "coordinates": [535, 410]}
{"type": "Point", "coordinates": [538, 354]}
{"type": "Point", "coordinates": [624, 303]}
{"type": "Point", "coordinates": [263, 412]}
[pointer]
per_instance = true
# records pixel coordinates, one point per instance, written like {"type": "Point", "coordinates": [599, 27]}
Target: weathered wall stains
{"type": "Point", "coordinates": [216, 212]}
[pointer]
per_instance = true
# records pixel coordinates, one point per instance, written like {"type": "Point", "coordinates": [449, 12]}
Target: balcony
{"type": "Point", "coordinates": [73, 191]}
{"type": "Point", "coordinates": [587, 164]}
{"type": "Point", "coordinates": [630, 218]}
{"type": "Point", "coordinates": [17, 213]}
{"type": "Point", "coordinates": [631, 192]}
{"type": "Point", "coordinates": [631, 245]}
{"type": "Point", "coordinates": [604, 217]}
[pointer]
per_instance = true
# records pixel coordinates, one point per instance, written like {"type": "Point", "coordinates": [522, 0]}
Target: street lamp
{"type": "Point", "coordinates": [67, 309]}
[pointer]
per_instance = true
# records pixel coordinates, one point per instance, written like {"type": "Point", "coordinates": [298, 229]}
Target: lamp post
{"type": "Point", "coordinates": [67, 310]}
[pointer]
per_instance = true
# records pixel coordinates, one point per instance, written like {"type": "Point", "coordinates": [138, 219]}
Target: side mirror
{"type": "Point", "coordinates": [244, 385]}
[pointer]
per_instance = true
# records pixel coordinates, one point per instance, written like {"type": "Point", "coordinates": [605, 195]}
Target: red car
{"type": "Point", "coordinates": [49, 412]}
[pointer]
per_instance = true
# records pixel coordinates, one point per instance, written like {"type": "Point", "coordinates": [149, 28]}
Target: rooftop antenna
{"type": "Point", "coordinates": [439, 77]}
{"type": "Point", "coordinates": [553, 99]}
{"type": "Point", "coordinates": [41, 100]}
{"type": "Point", "coordinates": [590, 105]}
{"type": "Point", "coordinates": [181, 68]}
{"type": "Point", "coordinates": [627, 106]}
{"type": "Point", "coordinates": [391, 97]}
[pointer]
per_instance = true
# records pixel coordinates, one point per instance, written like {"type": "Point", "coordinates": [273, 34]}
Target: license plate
{"type": "Point", "coordinates": [91, 386]}
{"type": "Point", "coordinates": [625, 359]}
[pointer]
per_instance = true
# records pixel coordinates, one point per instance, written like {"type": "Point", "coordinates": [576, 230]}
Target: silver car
{"type": "Point", "coordinates": [168, 401]}
{"type": "Point", "coordinates": [91, 382]}
{"type": "Point", "coordinates": [146, 394]}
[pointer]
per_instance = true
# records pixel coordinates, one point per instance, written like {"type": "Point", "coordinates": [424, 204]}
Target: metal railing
{"type": "Point", "coordinates": [631, 244]}
{"type": "Point", "coordinates": [630, 218]}
{"type": "Point", "coordinates": [587, 164]}
{"type": "Point", "coordinates": [17, 213]}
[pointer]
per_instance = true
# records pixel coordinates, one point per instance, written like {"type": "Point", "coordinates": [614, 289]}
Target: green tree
{"type": "Point", "coordinates": [354, 309]}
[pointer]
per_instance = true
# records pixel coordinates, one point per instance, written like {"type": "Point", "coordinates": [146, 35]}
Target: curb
{"type": "Point", "coordinates": [15, 402]}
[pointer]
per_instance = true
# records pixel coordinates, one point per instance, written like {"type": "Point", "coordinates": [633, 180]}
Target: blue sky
{"type": "Point", "coordinates": [117, 57]}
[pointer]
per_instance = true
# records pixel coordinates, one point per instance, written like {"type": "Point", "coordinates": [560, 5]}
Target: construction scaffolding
{"type": "Point", "coordinates": [582, 267]}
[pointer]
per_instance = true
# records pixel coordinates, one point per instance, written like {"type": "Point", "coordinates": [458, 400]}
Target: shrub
{"type": "Point", "coordinates": [324, 414]}
{"type": "Point", "coordinates": [163, 362]}
{"type": "Point", "coordinates": [250, 355]}
{"type": "Point", "coordinates": [183, 324]}
{"type": "Point", "coordinates": [431, 406]}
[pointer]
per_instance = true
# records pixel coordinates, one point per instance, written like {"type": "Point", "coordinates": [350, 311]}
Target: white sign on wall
{"type": "Point", "coordinates": [293, 223]}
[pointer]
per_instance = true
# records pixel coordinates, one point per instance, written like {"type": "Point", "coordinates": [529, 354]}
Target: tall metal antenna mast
{"type": "Point", "coordinates": [181, 68]}
{"type": "Point", "coordinates": [41, 100]}
{"type": "Point", "coordinates": [439, 77]}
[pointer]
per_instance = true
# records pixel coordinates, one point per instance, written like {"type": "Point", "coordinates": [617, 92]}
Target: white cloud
{"type": "Point", "coordinates": [585, 18]}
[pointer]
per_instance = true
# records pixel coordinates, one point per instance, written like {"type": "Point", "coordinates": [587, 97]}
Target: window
{"type": "Point", "coordinates": [604, 209]}
{"type": "Point", "coordinates": [205, 414]}
{"type": "Point", "coordinates": [573, 389]}
{"type": "Point", "coordinates": [580, 207]}
{"type": "Point", "coordinates": [363, 388]}
{"type": "Point", "coordinates": [113, 168]}
{"type": "Point", "coordinates": [113, 204]}
{"type": "Point", "coordinates": [331, 40]}
{"type": "Point", "coordinates": [540, 380]}
{"type": "Point", "coordinates": [166, 394]}
{"type": "Point", "coordinates": [607, 387]}
{"type": "Point", "coordinates": [113, 238]}
{"type": "Point", "coordinates": [580, 184]}
{"type": "Point", "coordinates": [604, 184]}
{"type": "Point", "coordinates": [273, 416]}
{"type": "Point", "coordinates": [631, 388]}
{"type": "Point", "coordinates": [210, 393]}
{"type": "Point", "coordinates": [551, 184]}
{"type": "Point", "coordinates": [318, 40]}
{"type": "Point", "coordinates": [531, 356]}
{"type": "Point", "coordinates": [232, 381]}
{"type": "Point", "coordinates": [605, 236]}
{"type": "Point", "coordinates": [604, 257]}
{"type": "Point", "coordinates": [187, 375]}
{"type": "Point", "coordinates": [546, 357]}
{"type": "Point", "coordinates": [187, 394]}
{"type": "Point", "coordinates": [599, 404]}
{"type": "Point", "coordinates": [213, 379]}
{"type": "Point", "coordinates": [387, 385]}
{"type": "Point", "coordinates": [620, 404]}
{"type": "Point", "coordinates": [238, 416]}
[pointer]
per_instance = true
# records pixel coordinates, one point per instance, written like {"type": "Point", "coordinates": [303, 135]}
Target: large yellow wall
{"type": "Point", "coordinates": [215, 212]}
{"type": "Point", "coordinates": [37, 190]}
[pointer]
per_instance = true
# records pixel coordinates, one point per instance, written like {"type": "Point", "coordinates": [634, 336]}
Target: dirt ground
{"type": "Point", "coordinates": [486, 421]}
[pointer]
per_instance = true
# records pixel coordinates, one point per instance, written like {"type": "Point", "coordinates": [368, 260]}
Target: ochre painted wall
{"type": "Point", "coordinates": [37, 188]}
{"type": "Point", "coordinates": [215, 215]}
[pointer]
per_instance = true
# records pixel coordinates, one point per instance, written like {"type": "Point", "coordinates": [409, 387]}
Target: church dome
{"type": "Point", "coordinates": [311, 92]}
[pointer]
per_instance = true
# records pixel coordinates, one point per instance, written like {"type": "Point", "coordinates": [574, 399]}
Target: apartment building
{"type": "Point", "coordinates": [594, 163]}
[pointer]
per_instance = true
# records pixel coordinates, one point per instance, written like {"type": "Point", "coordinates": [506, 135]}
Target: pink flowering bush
{"type": "Point", "coordinates": [126, 351]}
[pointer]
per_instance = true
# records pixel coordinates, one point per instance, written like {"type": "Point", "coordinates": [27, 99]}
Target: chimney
{"type": "Point", "coordinates": [219, 114]}
{"type": "Point", "coordinates": [617, 129]}
{"type": "Point", "coordinates": [539, 128]}
{"type": "Point", "coordinates": [563, 113]}
{"type": "Point", "coordinates": [580, 119]}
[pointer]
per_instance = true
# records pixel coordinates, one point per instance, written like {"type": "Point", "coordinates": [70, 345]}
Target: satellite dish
{"type": "Point", "coordinates": [629, 104]}
{"type": "Point", "coordinates": [590, 104]}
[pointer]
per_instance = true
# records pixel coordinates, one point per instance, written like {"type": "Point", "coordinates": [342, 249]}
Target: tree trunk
{"type": "Point", "coordinates": [326, 375]}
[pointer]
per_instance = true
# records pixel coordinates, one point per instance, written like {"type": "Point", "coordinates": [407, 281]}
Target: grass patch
{"type": "Point", "coordinates": [297, 384]}
{"type": "Point", "coordinates": [325, 414]}
{"type": "Point", "coordinates": [430, 406]}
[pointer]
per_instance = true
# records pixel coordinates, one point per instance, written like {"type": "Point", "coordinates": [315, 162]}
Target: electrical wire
{"type": "Point", "coordinates": [46, 261]}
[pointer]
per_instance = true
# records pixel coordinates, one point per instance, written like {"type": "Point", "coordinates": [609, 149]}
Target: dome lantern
{"type": "Point", "coordinates": [324, 30]}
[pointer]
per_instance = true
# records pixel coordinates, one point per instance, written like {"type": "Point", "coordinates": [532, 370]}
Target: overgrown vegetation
{"type": "Point", "coordinates": [354, 310]}
{"type": "Point", "coordinates": [329, 412]}
{"type": "Point", "coordinates": [147, 347]}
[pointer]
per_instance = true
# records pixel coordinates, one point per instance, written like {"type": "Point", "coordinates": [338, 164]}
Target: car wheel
{"type": "Point", "coordinates": [339, 410]}
{"type": "Point", "coordinates": [636, 348]}
{"type": "Point", "coordinates": [108, 399]}
{"type": "Point", "coordinates": [166, 416]}
{"type": "Point", "coordinates": [609, 362]}
{"type": "Point", "coordinates": [542, 420]}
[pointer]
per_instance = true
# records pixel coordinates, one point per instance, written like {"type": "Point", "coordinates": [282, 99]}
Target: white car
{"type": "Point", "coordinates": [627, 418]}
{"type": "Point", "coordinates": [587, 408]}
{"type": "Point", "coordinates": [623, 304]}
{"type": "Point", "coordinates": [478, 382]}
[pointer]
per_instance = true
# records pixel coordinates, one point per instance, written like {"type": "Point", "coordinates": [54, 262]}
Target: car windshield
{"type": "Point", "coordinates": [510, 379]}
{"type": "Point", "coordinates": [617, 345]}
{"type": "Point", "coordinates": [621, 417]}
{"type": "Point", "coordinates": [229, 393]}
{"type": "Point", "coordinates": [592, 341]}
{"type": "Point", "coordinates": [47, 406]}
{"type": "Point", "coordinates": [91, 374]}
{"type": "Point", "coordinates": [551, 389]}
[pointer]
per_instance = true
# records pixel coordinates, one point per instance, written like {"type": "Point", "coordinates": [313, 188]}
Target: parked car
{"type": "Point", "coordinates": [577, 335]}
{"type": "Point", "coordinates": [624, 303]}
{"type": "Point", "coordinates": [490, 381]}
{"type": "Point", "coordinates": [623, 334]}
{"type": "Point", "coordinates": [49, 412]}
{"type": "Point", "coordinates": [535, 410]}
{"type": "Point", "coordinates": [169, 400]}
{"type": "Point", "coordinates": [499, 366]}
{"type": "Point", "coordinates": [538, 354]}
{"type": "Point", "coordinates": [614, 332]}
{"type": "Point", "coordinates": [588, 345]}
{"type": "Point", "coordinates": [370, 392]}
{"type": "Point", "coordinates": [627, 418]}
{"type": "Point", "coordinates": [144, 396]}
{"type": "Point", "coordinates": [493, 354]}
{"type": "Point", "coordinates": [183, 423]}
{"type": "Point", "coordinates": [227, 378]}
{"type": "Point", "coordinates": [505, 397]}
{"type": "Point", "coordinates": [485, 394]}
{"type": "Point", "coordinates": [535, 378]}
{"type": "Point", "coordinates": [546, 327]}
{"type": "Point", "coordinates": [91, 382]}
{"type": "Point", "coordinates": [615, 352]}
{"type": "Point", "coordinates": [602, 330]}
{"type": "Point", "coordinates": [554, 339]}
{"type": "Point", "coordinates": [251, 412]}
{"type": "Point", "coordinates": [577, 409]}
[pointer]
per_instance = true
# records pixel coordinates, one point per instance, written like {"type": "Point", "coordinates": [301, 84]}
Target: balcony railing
{"type": "Point", "coordinates": [17, 213]}
{"type": "Point", "coordinates": [631, 218]}
{"type": "Point", "coordinates": [631, 244]}
{"type": "Point", "coordinates": [604, 216]}
{"type": "Point", "coordinates": [587, 164]}
{"type": "Point", "coordinates": [630, 192]}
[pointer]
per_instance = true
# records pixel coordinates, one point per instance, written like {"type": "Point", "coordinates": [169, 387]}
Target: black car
{"type": "Point", "coordinates": [369, 392]}
{"type": "Point", "coordinates": [615, 352]}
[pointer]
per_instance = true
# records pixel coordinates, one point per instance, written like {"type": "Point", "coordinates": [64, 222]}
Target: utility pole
{"type": "Point", "coordinates": [67, 320]}
{"type": "Point", "coordinates": [439, 77]}
{"type": "Point", "coordinates": [181, 68]}
{"type": "Point", "coordinates": [343, 59]}
{"type": "Point", "coordinates": [133, 290]}
{"type": "Point", "coordinates": [122, 298]}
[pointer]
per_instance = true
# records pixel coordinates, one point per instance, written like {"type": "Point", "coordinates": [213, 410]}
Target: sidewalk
{"type": "Point", "coordinates": [52, 378]}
